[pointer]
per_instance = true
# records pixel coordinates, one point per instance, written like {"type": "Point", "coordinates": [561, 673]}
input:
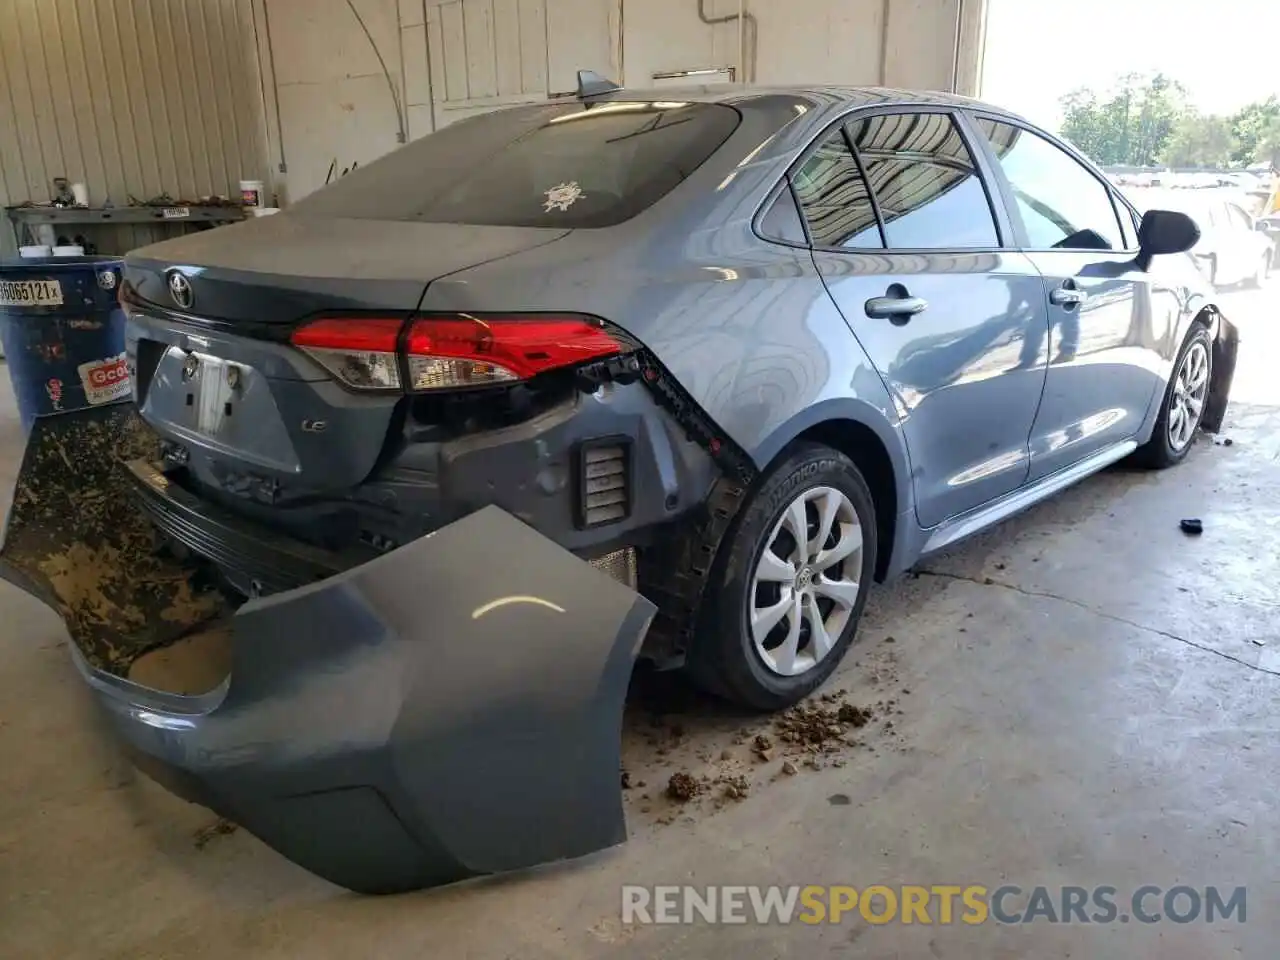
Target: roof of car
{"type": "Point", "coordinates": [816, 95]}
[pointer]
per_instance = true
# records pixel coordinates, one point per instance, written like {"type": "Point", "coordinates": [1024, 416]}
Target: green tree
{"type": "Point", "coordinates": [1254, 128]}
{"type": "Point", "coordinates": [1200, 141]}
{"type": "Point", "coordinates": [1268, 148]}
{"type": "Point", "coordinates": [1127, 124]}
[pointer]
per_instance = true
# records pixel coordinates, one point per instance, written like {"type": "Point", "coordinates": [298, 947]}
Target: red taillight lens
{"type": "Point", "coordinates": [447, 352]}
{"type": "Point", "coordinates": [359, 351]}
{"type": "Point", "coordinates": [459, 351]}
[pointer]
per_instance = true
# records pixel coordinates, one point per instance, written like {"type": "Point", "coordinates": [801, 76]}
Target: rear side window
{"type": "Point", "coordinates": [1062, 204]}
{"type": "Point", "coordinates": [782, 221]}
{"type": "Point", "coordinates": [559, 165]}
{"type": "Point", "coordinates": [926, 182]}
{"type": "Point", "coordinates": [835, 199]}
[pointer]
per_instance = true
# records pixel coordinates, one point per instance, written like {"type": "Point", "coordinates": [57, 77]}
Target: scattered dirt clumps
{"type": "Point", "coordinates": [222, 827]}
{"type": "Point", "coordinates": [762, 747]}
{"type": "Point", "coordinates": [735, 788]}
{"type": "Point", "coordinates": [682, 787]}
{"type": "Point", "coordinates": [854, 716]}
{"type": "Point", "coordinates": [813, 725]}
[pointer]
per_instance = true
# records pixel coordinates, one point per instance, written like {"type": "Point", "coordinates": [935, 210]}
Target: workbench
{"type": "Point", "coordinates": [33, 216]}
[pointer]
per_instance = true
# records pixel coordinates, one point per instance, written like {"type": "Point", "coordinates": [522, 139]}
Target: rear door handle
{"type": "Point", "coordinates": [1068, 297]}
{"type": "Point", "coordinates": [897, 304]}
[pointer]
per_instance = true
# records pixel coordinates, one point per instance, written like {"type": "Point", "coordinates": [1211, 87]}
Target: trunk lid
{"type": "Point", "coordinates": [279, 269]}
{"type": "Point", "coordinates": [252, 416]}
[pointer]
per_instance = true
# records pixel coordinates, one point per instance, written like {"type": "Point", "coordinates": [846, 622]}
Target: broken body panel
{"type": "Point", "coordinates": [376, 726]}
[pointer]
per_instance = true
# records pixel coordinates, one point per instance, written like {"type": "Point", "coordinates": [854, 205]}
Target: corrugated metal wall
{"type": "Point", "coordinates": [492, 53]}
{"type": "Point", "coordinates": [131, 97]}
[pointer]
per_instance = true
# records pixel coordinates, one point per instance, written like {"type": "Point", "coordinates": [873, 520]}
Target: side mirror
{"type": "Point", "coordinates": [1163, 232]}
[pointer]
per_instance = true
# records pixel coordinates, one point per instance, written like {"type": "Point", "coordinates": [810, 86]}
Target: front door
{"type": "Point", "coordinates": [953, 324]}
{"type": "Point", "coordinates": [1106, 321]}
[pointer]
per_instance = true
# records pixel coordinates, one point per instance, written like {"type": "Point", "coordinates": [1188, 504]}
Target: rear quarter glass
{"type": "Point", "coordinates": [565, 165]}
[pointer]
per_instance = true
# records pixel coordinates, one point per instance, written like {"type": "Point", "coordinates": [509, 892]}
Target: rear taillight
{"type": "Point", "coordinates": [359, 351]}
{"type": "Point", "coordinates": [447, 352]}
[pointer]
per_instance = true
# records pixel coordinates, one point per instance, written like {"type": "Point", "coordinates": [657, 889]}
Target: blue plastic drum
{"type": "Point", "coordinates": [63, 333]}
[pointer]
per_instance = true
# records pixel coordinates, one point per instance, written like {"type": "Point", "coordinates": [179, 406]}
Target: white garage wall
{"type": "Point", "coordinates": [332, 104]}
{"type": "Point", "coordinates": [492, 53]}
{"type": "Point", "coordinates": [450, 59]}
{"type": "Point", "coordinates": [130, 97]}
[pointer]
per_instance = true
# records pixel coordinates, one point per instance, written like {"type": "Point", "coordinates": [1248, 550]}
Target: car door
{"type": "Point", "coordinates": [905, 237]}
{"type": "Point", "coordinates": [1104, 332]}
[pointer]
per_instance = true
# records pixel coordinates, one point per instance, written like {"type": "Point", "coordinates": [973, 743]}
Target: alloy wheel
{"type": "Point", "coordinates": [805, 584]}
{"type": "Point", "coordinates": [1189, 391]}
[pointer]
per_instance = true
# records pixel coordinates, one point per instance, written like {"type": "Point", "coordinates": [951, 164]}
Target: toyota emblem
{"type": "Point", "coordinates": [180, 289]}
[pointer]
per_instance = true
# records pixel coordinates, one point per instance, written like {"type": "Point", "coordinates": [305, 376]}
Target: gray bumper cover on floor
{"type": "Point", "coordinates": [450, 709]}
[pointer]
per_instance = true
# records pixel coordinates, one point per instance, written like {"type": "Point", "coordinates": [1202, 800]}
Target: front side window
{"type": "Point", "coordinates": [925, 181]}
{"type": "Point", "coordinates": [1063, 205]}
{"type": "Point", "coordinates": [834, 198]}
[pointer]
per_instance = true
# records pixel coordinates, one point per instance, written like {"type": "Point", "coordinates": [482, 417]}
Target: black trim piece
{"type": "Point", "coordinates": [973, 142]}
{"type": "Point", "coordinates": [675, 573]}
{"type": "Point", "coordinates": [675, 400]}
{"type": "Point", "coordinates": [790, 187]}
{"type": "Point", "coordinates": [582, 512]}
{"type": "Point", "coordinates": [852, 144]}
{"type": "Point", "coordinates": [275, 562]}
{"type": "Point", "coordinates": [253, 329]}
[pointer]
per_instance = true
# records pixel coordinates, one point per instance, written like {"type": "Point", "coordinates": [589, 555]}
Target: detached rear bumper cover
{"type": "Point", "coordinates": [449, 709]}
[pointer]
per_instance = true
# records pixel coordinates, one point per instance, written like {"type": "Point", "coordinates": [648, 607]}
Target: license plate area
{"type": "Point", "coordinates": [213, 388]}
{"type": "Point", "coordinates": [225, 407]}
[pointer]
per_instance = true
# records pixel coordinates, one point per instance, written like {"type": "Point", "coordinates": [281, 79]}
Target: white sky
{"type": "Point", "coordinates": [1226, 52]}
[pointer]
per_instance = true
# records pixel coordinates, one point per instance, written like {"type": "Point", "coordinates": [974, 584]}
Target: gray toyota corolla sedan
{"type": "Point", "coordinates": [427, 438]}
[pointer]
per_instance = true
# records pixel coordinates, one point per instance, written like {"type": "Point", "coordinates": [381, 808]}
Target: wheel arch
{"type": "Point", "coordinates": [1225, 339]}
{"type": "Point", "coordinates": [866, 436]}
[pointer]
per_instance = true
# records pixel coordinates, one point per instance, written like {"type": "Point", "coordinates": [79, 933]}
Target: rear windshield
{"type": "Point", "coordinates": [558, 165]}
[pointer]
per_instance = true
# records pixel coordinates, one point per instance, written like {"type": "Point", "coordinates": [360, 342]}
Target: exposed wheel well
{"type": "Point", "coordinates": [1226, 344]}
{"type": "Point", "coordinates": [861, 445]}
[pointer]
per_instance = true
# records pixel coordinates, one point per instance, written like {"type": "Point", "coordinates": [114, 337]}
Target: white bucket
{"type": "Point", "coordinates": [36, 250]}
{"type": "Point", "coordinates": [253, 193]}
{"type": "Point", "coordinates": [81, 194]}
{"type": "Point", "coordinates": [69, 251]}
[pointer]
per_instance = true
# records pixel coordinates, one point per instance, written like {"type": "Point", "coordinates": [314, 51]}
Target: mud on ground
{"type": "Point", "coordinates": [687, 755]}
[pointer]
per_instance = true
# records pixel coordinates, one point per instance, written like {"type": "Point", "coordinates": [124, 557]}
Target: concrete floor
{"type": "Point", "coordinates": [1086, 706]}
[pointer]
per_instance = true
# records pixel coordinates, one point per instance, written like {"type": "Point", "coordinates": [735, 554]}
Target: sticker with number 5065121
{"type": "Point", "coordinates": [30, 293]}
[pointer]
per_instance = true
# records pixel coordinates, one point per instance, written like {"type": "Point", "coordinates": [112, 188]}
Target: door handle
{"type": "Point", "coordinates": [896, 304]}
{"type": "Point", "coordinates": [1068, 297]}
